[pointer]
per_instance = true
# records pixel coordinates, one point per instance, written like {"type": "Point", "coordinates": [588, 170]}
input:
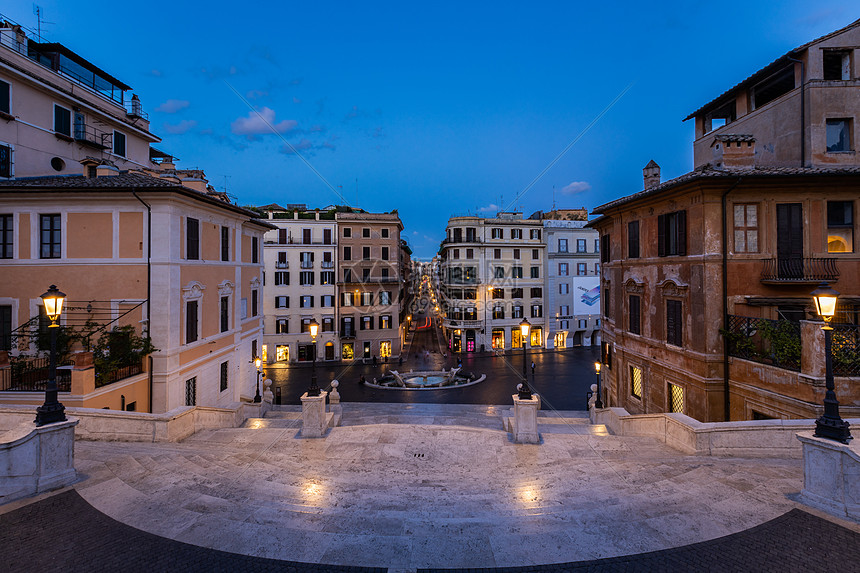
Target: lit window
{"type": "Point", "coordinates": [746, 228]}
{"type": "Point", "coordinates": [840, 226]}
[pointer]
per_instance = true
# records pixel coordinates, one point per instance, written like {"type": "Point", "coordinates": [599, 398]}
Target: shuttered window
{"type": "Point", "coordinates": [634, 314]}
{"type": "Point", "coordinates": [672, 234]}
{"type": "Point", "coordinates": [633, 240]}
{"type": "Point", "coordinates": [190, 321]}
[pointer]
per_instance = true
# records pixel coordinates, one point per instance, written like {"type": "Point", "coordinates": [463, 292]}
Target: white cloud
{"type": "Point", "coordinates": [492, 207]}
{"type": "Point", "coordinates": [575, 188]}
{"type": "Point", "coordinates": [183, 126]}
{"type": "Point", "coordinates": [258, 123]}
{"type": "Point", "coordinates": [173, 105]}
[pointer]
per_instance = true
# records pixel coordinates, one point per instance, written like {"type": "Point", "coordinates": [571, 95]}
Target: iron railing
{"type": "Point", "coordinates": [846, 350]}
{"type": "Point", "coordinates": [799, 270]}
{"type": "Point", "coordinates": [775, 342]}
{"type": "Point", "coordinates": [32, 375]}
{"type": "Point", "coordinates": [119, 373]}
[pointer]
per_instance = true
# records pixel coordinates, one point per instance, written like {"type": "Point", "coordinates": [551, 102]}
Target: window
{"type": "Point", "coordinates": [347, 351]}
{"type": "Point", "coordinates": [562, 325]}
{"type": "Point", "coordinates": [282, 326]}
{"type": "Point", "coordinates": [255, 250]}
{"type": "Point", "coordinates": [563, 288]}
{"type": "Point", "coordinates": [582, 324]}
{"type": "Point", "coordinates": [347, 232]}
{"type": "Point", "coordinates": [225, 313]}
{"type": "Point", "coordinates": [327, 277]}
{"type": "Point", "coordinates": [365, 253]}
{"type": "Point", "coordinates": [6, 162]}
{"type": "Point", "coordinates": [347, 299]}
{"type": "Point", "coordinates": [6, 237]}
{"type": "Point", "coordinates": [306, 278]}
{"type": "Point", "coordinates": [470, 235]}
{"type": "Point", "coordinates": [562, 245]}
{"type": "Point", "coordinates": [516, 293]}
{"type": "Point", "coordinates": [385, 297]}
{"type": "Point", "coordinates": [537, 311]}
{"type": "Point", "coordinates": [563, 269]}
{"type": "Point", "coordinates": [326, 236]}
{"type": "Point", "coordinates": [385, 321]}
{"type": "Point", "coordinates": [384, 233]}
{"type": "Point", "coordinates": [497, 254]}
{"type": "Point", "coordinates": [306, 260]}
{"type": "Point", "coordinates": [499, 272]}
{"type": "Point", "coordinates": [5, 97]}
{"type": "Point", "coordinates": [838, 138]}
{"type": "Point", "coordinates": [516, 253]}
{"type": "Point", "coordinates": [580, 246]}
{"type": "Point", "coordinates": [385, 253]}
{"type": "Point", "coordinates": [347, 326]}
{"type": "Point", "coordinates": [470, 253]}
{"type": "Point", "coordinates": [282, 278]}
{"type": "Point", "coordinates": [190, 321]}
{"type": "Point", "coordinates": [327, 300]}
{"type": "Point", "coordinates": [581, 269]}
{"type": "Point", "coordinates": [384, 272]}
{"type": "Point", "coordinates": [225, 368]}
{"type": "Point", "coordinates": [282, 302]}
{"type": "Point", "coordinates": [597, 268]}
{"type": "Point", "coordinates": [366, 299]}
{"type": "Point", "coordinates": [366, 323]}
{"type": "Point", "coordinates": [50, 237]}
{"type": "Point", "coordinates": [254, 303]}
{"type": "Point", "coordinates": [496, 233]}
{"type": "Point", "coordinates": [365, 275]}
{"type": "Point", "coordinates": [282, 353]}
{"type": "Point", "coordinates": [672, 234]}
{"type": "Point", "coordinates": [635, 315]}
{"type": "Point", "coordinates": [306, 301]}
{"type": "Point", "coordinates": [282, 236]}
{"type": "Point", "coordinates": [306, 237]}
{"type": "Point", "coordinates": [303, 328]}
{"type": "Point", "coordinates": [119, 143]}
{"type": "Point", "coordinates": [633, 239]}
{"type": "Point", "coordinates": [191, 392]}
{"type": "Point", "coordinates": [636, 382]}
{"type": "Point", "coordinates": [596, 245]}
{"type": "Point", "coordinates": [534, 234]}
{"type": "Point", "coordinates": [517, 272]}
{"type": "Point", "coordinates": [456, 253]}
{"type": "Point", "coordinates": [676, 399]}
{"type": "Point", "coordinates": [837, 65]}
{"type": "Point", "coordinates": [498, 293]}
{"type": "Point", "coordinates": [773, 87]}
{"type": "Point", "coordinates": [535, 254]}
{"type": "Point", "coordinates": [347, 253]}
{"type": "Point", "coordinates": [840, 226]}
{"type": "Point", "coordinates": [517, 311]}
{"type": "Point", "coordinates": [498, 312]}
{"type": "Point", "coordinates": [604, 249]}
{"type": "Point", "coordinates": [225, 243]}
{"type": "Point", "coordinates": [62, 120]}
{"type": "Point", "coordinates": [365, 233]}
{"type": "Point", "coordinates": [347, 275]}
{"type": "Point", "coordinates": [328, 324]}
{"type": "Point", "coordinates": [516, 233]}
{"type": "Point", "coordinates": [674, 323]}
{"type": "Point", "coordinates": [535, 272]}
{"type": "Point", "coordinates": [564, 310]}
{"type": "Point", "coordinates": [6, 327]}
{"type": "Point", "coordinates": [192, 239]}
{"type": "Point", "coordinates": [537, 292]}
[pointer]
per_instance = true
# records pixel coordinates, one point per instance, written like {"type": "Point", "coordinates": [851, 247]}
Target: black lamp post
{"type": "Point", "coordinates": [525, 391]}
{"type": "Point", "coordinates": [313, 389]}
{"type": "Point", "coordinates": [830, 425]}
{"type": "Point", "coordinates": [257, 363]}
{"type": "Point", "coordinates": [598, 403]}
{"type": "Point", "coordinates": [52, 410]}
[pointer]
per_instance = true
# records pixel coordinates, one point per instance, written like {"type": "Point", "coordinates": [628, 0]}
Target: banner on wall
{"type": "Point", "coordinates": [586, 295]}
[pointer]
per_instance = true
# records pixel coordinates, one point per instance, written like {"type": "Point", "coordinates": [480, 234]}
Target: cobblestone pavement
{"type": "Point", "coordinates": [64, 533]}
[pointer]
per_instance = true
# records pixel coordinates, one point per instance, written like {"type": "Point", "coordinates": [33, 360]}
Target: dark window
{"type": "Point", "coordinates": [6, 161]}
{"type": "Point", "coordinates": [837, 65]}
{"type": "Point", "coordinates": [225, 313]}
{"type": "Point", "coordinates": [306, 278]}
{"type": "Point", "coordinates": [192, 239]}
{"type": "Point", "coordinates": [365, 253]}
{"type": "Point", "coordinates": [347, 253]}
{"type": "Point", "coordinates": [282, 236]}
{"type": "Point", "coordinates": [535, 272]}
{"type": "Point", "coordinates": [62, 121]}
{"type": "Point", "coordinates": [516, 293]}
{"type": "Point", "coordinates": [225, 366]}
{"type": "Point", "coordinates": [347, 232]}
{"type": "Point", "coordinates": [384, 233]}
{"type": "Point", "coordinates": [633, 239]}
{"type": "Point", "coordinates": [365, 275]}
{"type": "Point", "coordinates": [5, 97]}
{"type": "Point", "coordinates": [255, 249]}
{"type": "Point", "coordinates": [517, 272]}
{"type": "Point", "coordinates": [498, 293]}
{"type": "Point", "coordinates": [5, 327]}
{"type": "Point", "coordinates": [537, 292]}
{"type": "Point", "coordinates": [254, 309]}
{"type": "Point", "coordinates": [838, 135]}
{"type": "Point", "coordinates": [50, 237]}
{"type": "Point", "coordinates": [366, 323]}
{"type": "Point", "coordinates": [604, 249]}
{"type": "Point", "coordinates": [347, 275]}
{"type": "Point", "coordinates": [634, 314]}
{"type": "Point", "coordinates": [191, 392]}
{"type": "Point", "coordinates": [327, 236]}
{"type": "Point", "coordinates": [365, 233]}
{"type": "Point", "coordinates": [327, 278]}
{"type": "Point", "coordinates": [190, 321]}
{"type": "Point", "coordinates": [225, 243]}
{"type": "Point", "coordinates": [328, 324]}
{"type": "Point", "coordinates": [306, 236]}
{"type": "Point", "coordinates": [674, 323]}
{"type": "Point", "coordinates": [773, 87]}
{"type": "Point", "coordinates": [672, 234]}
{"type": "Point", "coordinates": [384, 253]}
{"type": "Point", "coordinates": [282, 326]}
{"type": "Point", "coordinates": [119, 143]}
{"type": "Point", "coordinates": [6, 237]}
{"type": "Point", "coordinates": [282, 278]}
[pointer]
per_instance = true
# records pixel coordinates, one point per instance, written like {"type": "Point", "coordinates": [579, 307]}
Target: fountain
{"type": "Point", "coordinates": [426, 380]}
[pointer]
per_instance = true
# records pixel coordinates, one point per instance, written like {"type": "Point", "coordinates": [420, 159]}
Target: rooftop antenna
{"type": "Point", "coordinates": [40, 13]}
{"type": "Point", "coordinates": [225, 182]}
{"type": "Point", "coordinates": [553, 197]}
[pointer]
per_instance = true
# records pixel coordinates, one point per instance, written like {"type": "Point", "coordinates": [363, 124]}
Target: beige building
{"type": "Point", "coordinates": [369, 285]}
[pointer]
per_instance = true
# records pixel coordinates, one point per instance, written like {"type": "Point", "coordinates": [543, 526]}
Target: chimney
{"type": "Point", "coordinates": [733, 151]}
{"type": "Point", "coordinates": [651, 174]}
{"type": "Point", "coordinates": [136, 108]}
{"type": "Point", "coordinates": [105, 170]}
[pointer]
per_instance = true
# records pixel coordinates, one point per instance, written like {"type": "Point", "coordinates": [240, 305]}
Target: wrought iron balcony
{"type": "Point", "coordinates": [799, 271]}
{"type": "Point", "coordinates": [89, 135]}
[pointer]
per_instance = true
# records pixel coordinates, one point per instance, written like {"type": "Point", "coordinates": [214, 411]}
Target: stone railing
{"type": "Point", "coordinates": [756, 438]}
{"type": "Point", "coordinates": [35, 459]}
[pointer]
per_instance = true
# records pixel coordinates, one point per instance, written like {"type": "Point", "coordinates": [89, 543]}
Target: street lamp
{"type": "Point", "coordinates": [52, 410]}
{"type": "Point", "coordinates": [829, 425]}
{"type": "Point", "coordinates": [525, 391]}
{"type": "Point", "coordinates": [598, 403]}
{"type": "Point", "coordinates": [314, 327]}
{"type": "Point", "coordinates": [257, 363]}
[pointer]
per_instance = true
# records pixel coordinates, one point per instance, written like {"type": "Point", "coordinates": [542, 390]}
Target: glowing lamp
{"type": "Point", "coordinates": [314, 327]}
{"type": "Point", "coordinates": [825, 301]}
{"type": "Point", "coordinates": [53, 301]}
{"type": "Point", "coordinates": [525, 326]}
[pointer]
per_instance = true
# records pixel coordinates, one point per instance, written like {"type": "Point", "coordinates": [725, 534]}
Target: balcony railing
{"type": "Point", "coordinates": [32, 376]}
{"type": "Point", "coordinates": [846, 350]}
{"type": "Point", "coordinates": [282, 265]}
{"type": "Point", "coordinates": [797, 270]}
{"type": "Point", "coordinates": [765, 341]}
{"type": "Point", "coordinates": [327, 264]}
{"type": "Point", "coordinates": [307, 264]}
{"type": "Point", "coordinates": [119, 373]}
{"type": "Point", "coordinates": [461, 240]}
{"type": "Point", "coordinates": [89, 135]}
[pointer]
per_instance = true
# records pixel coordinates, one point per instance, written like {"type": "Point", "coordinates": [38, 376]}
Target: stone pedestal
{"type": "Point", "coordinates": [831, 475]}
{"type": "Point", "coordinates": [525, 420]}
{"type": "Point", "coordinates": [314, 421]}
{"type": "Point", "coordinates": [36, 459]}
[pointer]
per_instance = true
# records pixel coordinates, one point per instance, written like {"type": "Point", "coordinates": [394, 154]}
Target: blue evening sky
{"type": "Point", "coordinates": [434, 109]}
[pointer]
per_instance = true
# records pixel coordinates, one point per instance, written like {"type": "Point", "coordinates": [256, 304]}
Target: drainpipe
{"type": "Point", "coordinates": [148, 282]}
{"type": "Point", "coordinates": [727, 411]}
{"type": "Point", "coordinates": [802, 110]}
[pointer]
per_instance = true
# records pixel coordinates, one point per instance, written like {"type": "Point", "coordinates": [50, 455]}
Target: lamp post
{"type": "Point", "coordinates": [830, 425]}
{"type": "Point", "coordinates": [313, 389]}
{"type": "Point", "coordinates": [525, 391]}
{"type": "Point", "coordinates": [257, 362]}
{"type": "Point", "coordinates": [598, 403]}
{"type": "Point", "coordinates": [52, 410]}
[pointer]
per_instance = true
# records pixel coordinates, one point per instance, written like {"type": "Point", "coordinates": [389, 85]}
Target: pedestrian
{"type": "Point", "coordinates": [374, 360]}
{"type": "Point", "coordinates": [533, 368]}
{"type": "Point", "coordinates": [361, 380]}
{"type": "Point", "coordinates": [459, 362]}
{"type": "Point", "coordinates": [400, 360]}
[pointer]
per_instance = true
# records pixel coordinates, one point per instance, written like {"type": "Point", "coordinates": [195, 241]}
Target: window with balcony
{"type": "Point", "coordinates": [327, 263]}
{"type": "Point", "coordinates": [306, 237]}
{"type": "Point", "coordinates": [633, 240]}
{"type": "Point", "coordinates": [326, 236]}
{"type": "Point", "coordinates": [282, 236]}
{"type": "Point", "coordinates": [347, 326]}
{"type": "Point", "coordinates": [470, 313]}
{"type": "Point", "coordinates": [840, 226]}
{"type": "Point", "coordinates": [471, 237]}
{"type": "Point", "coordinates": [307, 260]}
{"type": "Point", "coordinates": [838, 135]}
{"type": "Point", "coordinates": [50, 237]}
